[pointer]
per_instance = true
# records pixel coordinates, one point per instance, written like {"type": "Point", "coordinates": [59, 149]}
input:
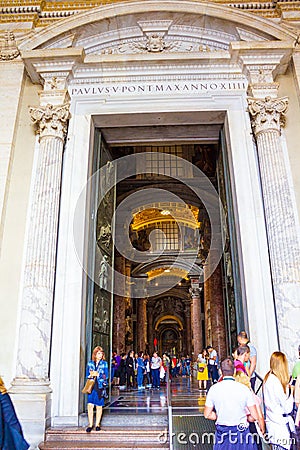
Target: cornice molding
{"type": "Point", "coordinates": [43, 13]}
{"type": "Point", "coordinates": [258, 62]}
{"type": "Point", "coordinates": [276, 31]}
{"type": "Point", "coordinates": [54, 62]}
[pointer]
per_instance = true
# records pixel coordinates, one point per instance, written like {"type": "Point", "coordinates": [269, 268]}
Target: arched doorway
{"type": "Point", "coordinates": [169, 330]}
{"type": "Point", "coordinates": [170, 341]}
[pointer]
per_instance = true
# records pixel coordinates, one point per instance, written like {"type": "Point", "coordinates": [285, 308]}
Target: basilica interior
{"type": "Point", "coordinates": [180, 310]}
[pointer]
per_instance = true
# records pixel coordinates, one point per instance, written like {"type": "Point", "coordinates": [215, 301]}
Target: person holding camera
{"type": "Point", "coordinates": [97, 368]}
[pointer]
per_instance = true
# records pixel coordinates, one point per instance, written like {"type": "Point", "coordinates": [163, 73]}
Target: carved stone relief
{"type": "Point", "coordinates": [8, 47]}
{"type": "Point", "coordinates": [267, 114]}
{"type": "Point", "coordinates": [51, 120]}
{"type": "Point", "coordinates": [156, 36]}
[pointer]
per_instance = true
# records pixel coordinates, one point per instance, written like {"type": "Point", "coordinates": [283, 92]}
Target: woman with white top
{"type": "Point", "coordinates": [278, 400]}
{"type": "Point", "coordinates": [155, 368]}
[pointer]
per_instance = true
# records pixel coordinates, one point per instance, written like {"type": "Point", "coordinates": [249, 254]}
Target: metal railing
{"type": "Point", "coordinates": [170, 420]}
{"type": "Point", "coordinates": [257, 390]}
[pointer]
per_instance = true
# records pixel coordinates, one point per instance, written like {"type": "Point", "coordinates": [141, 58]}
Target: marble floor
{"type": "Point", "coordinates": [140, 408]}
{"type": "Point", "coordinates": [184, 397]}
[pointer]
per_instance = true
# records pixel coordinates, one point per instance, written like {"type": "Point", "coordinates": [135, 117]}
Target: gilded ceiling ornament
{"type": "Point", "coordinates": [8, 47]}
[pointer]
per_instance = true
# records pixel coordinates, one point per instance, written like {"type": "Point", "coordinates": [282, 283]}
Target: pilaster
{"type": "Point", "coordinates": [296, 67]}
{"type": "Point", "coordinates": [11, 81]}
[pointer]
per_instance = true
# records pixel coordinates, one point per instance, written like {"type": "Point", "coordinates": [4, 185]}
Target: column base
{"type": "Point", "coordinates": [32, 402]}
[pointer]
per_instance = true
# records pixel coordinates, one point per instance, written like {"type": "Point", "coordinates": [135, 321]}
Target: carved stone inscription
{"type": "Point", "coordinates": [184, 87]}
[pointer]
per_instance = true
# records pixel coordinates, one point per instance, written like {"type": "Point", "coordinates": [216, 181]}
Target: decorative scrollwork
{"type": "Point", "coordinates": [52, 120]}
{"type": "Point", "coordinates": [267, 114]}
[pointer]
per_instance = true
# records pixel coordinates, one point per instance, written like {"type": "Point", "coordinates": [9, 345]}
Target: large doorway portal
{"type": "Point", "coordinates": [197, 310]}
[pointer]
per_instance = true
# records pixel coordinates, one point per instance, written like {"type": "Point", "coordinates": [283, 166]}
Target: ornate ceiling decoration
{"type": "Point", "coordinates": [166, 212]}
{"type": "Point", "coordinates": [167, 271]}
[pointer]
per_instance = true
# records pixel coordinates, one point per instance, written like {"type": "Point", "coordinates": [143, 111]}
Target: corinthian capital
{"type": "Point", "coordinates": [195, 292]}
{"type": "Point", "coordinates": [267, 114]}
{"type": "Point", "coordinates": [51, 120]}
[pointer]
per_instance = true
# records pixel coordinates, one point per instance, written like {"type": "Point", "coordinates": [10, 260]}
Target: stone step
{"type": "Point", "coordinates": [77, 438]}
{"type": "Point", "coordinates": [79, 434]}
{"type": "Point", "coordinates": [111, 420]}
{"type": "Point", "coordinates": [59, 445]}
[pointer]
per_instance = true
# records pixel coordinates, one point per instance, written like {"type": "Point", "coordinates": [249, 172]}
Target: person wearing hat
{"type": "Point", "coordinates": [242, 341]}
{"type": "Point", "coordinates": [11, 434]}
{"type": "Point", "coordinates": [231, 405]}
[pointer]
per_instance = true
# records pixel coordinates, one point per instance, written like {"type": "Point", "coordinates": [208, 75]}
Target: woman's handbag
{"type": "Point", "coordinates": [102, 392]}
{"type": "Point", "coordinates": [88, 387]}
{"type": "Point", "coordinates": [201, 369]}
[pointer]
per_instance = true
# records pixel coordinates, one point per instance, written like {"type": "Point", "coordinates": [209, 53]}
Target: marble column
{"type": "Point", "coordinates": [119, 313]}
{"type": "Point", "coordinates": [187, 312]}
{"type": "Point", "coordinates": [281, 217]}
{"type": "Point", "coordinates": [196, 320]}
{"type": "Point", "coordinates": [38, 285]}
{"type": "Point", "coordinates": [129, 338]}
{"type": "Point", "coordinates": [217, 313]}
{"type": "Point", "coordinates": [33, 356]}
{"type": "Point", "coordinates": [150, 333]}
{"type": "Point", "coordinates": [141, 324]}
{"type": "Point", "coordinates": [207, 300]}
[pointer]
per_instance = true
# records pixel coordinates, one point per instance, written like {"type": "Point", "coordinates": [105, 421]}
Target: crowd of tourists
{"type": "Point", "coordinates": [244, 420]}
{"type": "Point", "coordinates": [141, 371]}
